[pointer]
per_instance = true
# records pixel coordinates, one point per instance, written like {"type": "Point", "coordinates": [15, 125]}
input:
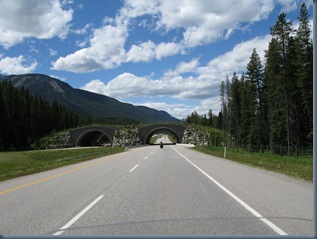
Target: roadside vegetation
{"type": "Point", "coordinates": [154, 138]}
{"type": "Point", "coordinates": [266, 116]}
{"type": "Point", "coordinates": [16, 164]}
{"type": "Point", "coordinates": [300, 167]}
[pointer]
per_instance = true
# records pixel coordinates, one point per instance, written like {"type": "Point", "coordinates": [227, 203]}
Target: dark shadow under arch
{"type": "Point", "coordinates": [154, 131]}
{"type": "Point", "coordinates": [90, 138]}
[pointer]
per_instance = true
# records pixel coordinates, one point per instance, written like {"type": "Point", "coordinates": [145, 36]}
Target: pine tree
{"type": "Point", "coordinates": [235, 108]}
{"type": "Point", "coordinates": [225, 100]}
{"type": "Point", "coordinates": [304, 74]}
{"type": "Point", "coordinates": [25, 118]}
{"type": "Point", "coordinates": [274, 98]}
{"type": "Point", "coordinates": [281, 33]}
{"type": "Point", "coordinates": [255, 75]}
{"type": "Point", "coordinates": [247, 114]}
{"type": "Point", "coordinates": [210, 118]}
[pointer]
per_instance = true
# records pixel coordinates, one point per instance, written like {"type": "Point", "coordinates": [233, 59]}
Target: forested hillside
{"type": "Point", "coordinates": [26, 118]}
{"type": "Point", "coordinates": [270, 107]}
{"type": "Point", "coordinates": [86, 103]}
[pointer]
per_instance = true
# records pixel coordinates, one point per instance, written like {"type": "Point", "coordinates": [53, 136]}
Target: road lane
{"type": "Point", "coordinates": [149, 191]}
{"type": "Point", "coordinates": [41, 207]}
{"type": "Point", "coordinates": [164, 139]}
{"type": "Point", "coordinates": [166, 196]}
{"type": "Point", "coordinates": [287, 202]}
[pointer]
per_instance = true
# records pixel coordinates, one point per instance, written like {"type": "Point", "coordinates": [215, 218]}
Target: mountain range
{"type": "Point", "coordinates": [85, 102]}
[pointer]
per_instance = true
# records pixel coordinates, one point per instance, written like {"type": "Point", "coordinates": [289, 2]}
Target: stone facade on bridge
{"type": "Point", "coordinates": [126, 138]}
{"type": "Point", "coordinates": [90, 135]}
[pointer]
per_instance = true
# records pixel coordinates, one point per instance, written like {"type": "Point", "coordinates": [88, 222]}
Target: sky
{"type": "Point", "coordinates": [169, 55]}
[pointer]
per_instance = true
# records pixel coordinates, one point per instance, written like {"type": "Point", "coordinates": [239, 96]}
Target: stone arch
{"type": "Point", "coordinates": [152, 132]}
{"type": "Point", "coordinates": [89, 136]}
{"type": "Point", "coordinates": [147, 132]}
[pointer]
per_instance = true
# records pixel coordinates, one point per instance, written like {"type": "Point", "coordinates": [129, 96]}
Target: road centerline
{"type": "Point", "coordinates": [56, 175]}
{"type": "Point", "coordinates": [134, 168]}
{"type": "Point", "coordinates": [79, 215]}
{"type": "Point", "coordinates": [241, 202]}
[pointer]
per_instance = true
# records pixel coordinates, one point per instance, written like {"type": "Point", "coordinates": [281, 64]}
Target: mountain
{"type": "Point", "coordinates": [85, 102]}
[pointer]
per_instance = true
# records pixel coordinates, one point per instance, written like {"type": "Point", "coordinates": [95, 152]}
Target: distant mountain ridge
{"type": "Point", "coordinates": [85, 102]}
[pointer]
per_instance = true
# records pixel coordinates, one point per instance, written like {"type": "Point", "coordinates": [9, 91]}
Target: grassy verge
{"type": "Point", "coordinates": [301, 167]}
{"type": "Point", "coordinates": [15, 164]}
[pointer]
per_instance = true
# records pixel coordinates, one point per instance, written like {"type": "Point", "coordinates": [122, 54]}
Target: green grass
{"type": "Point", "coordinates": [154, 138]}
{"type": "Point", "coordinates": [301, 167]}
{"type": "Point", "coordinates": [16, 164]}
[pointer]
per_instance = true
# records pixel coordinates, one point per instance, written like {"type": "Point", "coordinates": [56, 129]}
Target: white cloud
{"type": "Point", "coordinates": [179, 111]}
{"type": "Point", "coordinates": [39, 19]}
{"type": "Point", "coordinates": [83, 30]}
{"type": "Point", "coordinates": [201, 21]}
{"type": "Point", "coordinates": [184, 67]}
{"type": "Point", "coordinates": [16, 65]}
{"type": "Point", "coordinates": [52, 52]}
{"type": "Point", "coordinates": [106, 51]}
{"type": "Point", "coordinates": [288, 5]}
{"type": "Point", "coordinates": [201, 85]}
{"type": "Point", "coordinates": [236, 59]}
{"type": "Point", "coordinates": [143, 52]}
{"type": "Point", "coordinates": [168, 49]}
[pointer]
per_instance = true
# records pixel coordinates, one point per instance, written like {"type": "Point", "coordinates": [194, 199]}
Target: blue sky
{"type": "Point", "coordinates": [166, 54]}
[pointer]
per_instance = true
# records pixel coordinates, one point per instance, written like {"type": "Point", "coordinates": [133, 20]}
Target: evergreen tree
{"type": "Point", "coordinates": [255, 75]}
{"type": "Point", "coordinates": [274, 96]}
{"type": "Point", "coordinates": [25, 118]}
{"type": "Point", "coordinates": [247, 127]}
{"type": "Point", "coordinates": [210, 118]}
{"type": "Point", "coordinates": [304, 75]}
{"type": "Point", "coordinates": [235, 109]}
{"type": "Point", "coordinates": [281, 33]}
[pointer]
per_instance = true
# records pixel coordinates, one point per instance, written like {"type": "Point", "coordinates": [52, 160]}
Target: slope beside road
{"type": "Point", "coordinates": [152, 192]}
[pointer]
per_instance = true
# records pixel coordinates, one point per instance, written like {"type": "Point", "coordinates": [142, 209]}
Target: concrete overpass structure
{"type": "Point", "coordinates": [88, 136]}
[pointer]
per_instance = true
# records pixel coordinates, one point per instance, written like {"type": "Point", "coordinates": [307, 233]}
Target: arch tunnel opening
{"type": "Point", "coordinates": [93, 138]}
{"type": "Point", "coordinates": [166, 135]}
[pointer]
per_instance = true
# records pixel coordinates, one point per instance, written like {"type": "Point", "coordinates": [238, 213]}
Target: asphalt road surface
{"type": "Point", "coordinates": [148, 191]}
{"type": "Point", "coordinates": [164, 139]}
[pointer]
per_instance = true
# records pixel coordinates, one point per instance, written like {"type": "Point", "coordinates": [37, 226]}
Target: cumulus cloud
{"type": "Point", "coordinates": [236, 59]}
{"type": "Point", "coordinates": [288, 5]}
{"type": "Point", "coordinates": [202, 84]}
{"type": "Point", "coordinates": [166, 49]}
{"type": "Point", "coordinates": [202, 22]}
{"type": "Point", "coordinates": [142, 52]}
{"type": "Point", "coordinates": [41, 19]}
{"type": "Point", "coordinates": [179, 111]}
{"type": "Point", "coordinates": [16, 65]}
{"type": "Point", "coordinates": [183, 67]}
{"type": "Point", "coordinates": [105, 51]}
{"type": "Point", "coordinates": [128, 85]}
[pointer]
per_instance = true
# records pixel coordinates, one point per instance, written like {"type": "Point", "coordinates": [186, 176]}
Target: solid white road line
{"type": "Point", "coordinates": [133, 168]}
{"type": "Point", "coordinates": [71, 222]}
{"type": "Point", "coordinates": [250, 209]}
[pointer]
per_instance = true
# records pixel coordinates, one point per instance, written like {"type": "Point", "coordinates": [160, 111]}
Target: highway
{"type": "Point", "coordinates": [148, 191]}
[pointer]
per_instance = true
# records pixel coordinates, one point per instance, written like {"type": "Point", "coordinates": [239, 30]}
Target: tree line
{"type": "Point", "coordinates": [210, 119]}
{"type": "Point", "coordinates": [270, 107]}
{"type": "Point", "coordinates": [25, 118]}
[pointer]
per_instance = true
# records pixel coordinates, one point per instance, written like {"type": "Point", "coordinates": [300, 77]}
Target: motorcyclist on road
{"type": "Point", "coordinates": [161, 145]}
